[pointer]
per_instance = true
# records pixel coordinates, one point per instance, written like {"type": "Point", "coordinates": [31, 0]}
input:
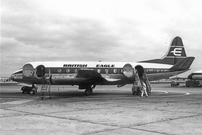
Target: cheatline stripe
{"type": "Point", "coordinates": [175, 57]}
{"type": "Point", "coordinates": [177, 46]}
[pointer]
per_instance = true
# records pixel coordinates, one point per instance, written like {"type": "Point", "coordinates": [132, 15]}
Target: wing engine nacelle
{"type": "Point", "coordinates": [128, 70]}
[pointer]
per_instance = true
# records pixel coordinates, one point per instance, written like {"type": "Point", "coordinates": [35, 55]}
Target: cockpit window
{"type": "Point", "coordinates": [18, 71]}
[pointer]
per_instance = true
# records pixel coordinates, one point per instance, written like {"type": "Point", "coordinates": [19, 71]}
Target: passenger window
{"type": "Point", "coordinates": [106, 70]}
{"type": "Point", "coordinates": [98, 70]}
{"type": "Point", "coordinates": [67, 70]}
{"type": "Point", "coordinates": [76, 70]}
{"type": "Point", "coordinates": [115, 70]}
{"type": "Point", "coordinates": [59, 70]}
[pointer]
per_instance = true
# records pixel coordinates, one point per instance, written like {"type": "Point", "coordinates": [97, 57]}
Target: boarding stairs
{"type": "Point", "coordinates": [137, 86]}
{"type": "Point", "coordinates": [45, 92]}
{"type": "Point", "coordinates": [46, 87]}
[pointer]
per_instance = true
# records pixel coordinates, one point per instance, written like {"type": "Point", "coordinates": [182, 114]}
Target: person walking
{"type": "Point", "coordinates": [144, 89]}
{"type": "Point", "coordinates": [147, 83]}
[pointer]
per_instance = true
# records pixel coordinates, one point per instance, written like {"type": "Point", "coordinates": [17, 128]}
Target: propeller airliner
{"type": "Point", "coordinates": [87, 74]}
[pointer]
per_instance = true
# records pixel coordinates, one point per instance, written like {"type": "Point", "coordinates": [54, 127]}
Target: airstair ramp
{"type": "Point", "coordinates": [45, 92]}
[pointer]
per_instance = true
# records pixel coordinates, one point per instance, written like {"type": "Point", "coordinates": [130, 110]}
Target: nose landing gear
{"type": "Point", "coordinates": [30, 90]}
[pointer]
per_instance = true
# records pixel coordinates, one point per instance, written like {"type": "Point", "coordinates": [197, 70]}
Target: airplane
{"type": "Point", "coordinates": [194, 79]}
{"type": "Point", "coordinates": [87, 74]}
{"type": "Point", "coordinates": [197, 75]}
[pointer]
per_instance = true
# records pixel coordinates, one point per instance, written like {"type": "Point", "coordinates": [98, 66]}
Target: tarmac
{"type": "Point", "coordinates": [109, 111]}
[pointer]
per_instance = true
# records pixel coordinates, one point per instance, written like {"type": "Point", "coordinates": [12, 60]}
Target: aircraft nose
{"type": "Point", "coordinates": [12, 77]}
{"type": "Point", "coordinates": [190, 76]}
{"type": "Point", "coordinates": [16, 75]}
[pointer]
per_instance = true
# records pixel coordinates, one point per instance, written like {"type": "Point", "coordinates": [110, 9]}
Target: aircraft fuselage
{"type": "Point", "coordinates": [66, 73]}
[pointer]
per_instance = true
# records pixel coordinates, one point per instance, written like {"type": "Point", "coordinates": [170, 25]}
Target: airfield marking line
{"type": "Point", "coordinates": [121, 127]}
{"type": "Point", "coordinates": [187, 93]}
{"type": "Point", "coordinates": [108, 130]}
{"type": "Point", "coordinates": [166, 92]}
{"type": "Point", "coordinates": [164, 120]}
{"type": "Point", "coordinates": [168, 119]}
{"type": "Point", "coordinates": [91, 122]}
{"type": "Point", "coordinates": [76, 110]}
{"type": "Point", "coordinates": [17, 102]}
{"type": "Point", "coordinates": [59, 117]}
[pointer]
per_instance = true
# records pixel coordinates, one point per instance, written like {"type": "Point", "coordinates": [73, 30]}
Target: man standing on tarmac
{"type": "Point", "coordinates": [144, 89]}
{"type": "Point", "coordinates": [147, 83]}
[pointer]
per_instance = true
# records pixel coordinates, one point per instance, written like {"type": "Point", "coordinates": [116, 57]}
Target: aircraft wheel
{"type": "Point", "coordinates": [88, 92]}
{"type": "Point", "coordinates": [24, 89]}
{"type": "Point", "coordinates": [31, 92]}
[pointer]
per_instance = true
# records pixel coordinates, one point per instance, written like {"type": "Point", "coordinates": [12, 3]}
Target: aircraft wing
{"type": "Point", "coordinates": [88, 73]}
{"type": "Point", "coordinates": [24, 84]}
{"type": "Point", "coordinates": [93, 76]}
{"type": "Point", "coordinates": [112, 79]}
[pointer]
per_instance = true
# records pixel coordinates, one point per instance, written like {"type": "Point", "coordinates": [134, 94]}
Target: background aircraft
{"type": "Point", "coordinates": [89, 74]}
{"type": "Point", "coordinates": [197, 75]}
{"type": "Point", "coordinates": [195, 79]}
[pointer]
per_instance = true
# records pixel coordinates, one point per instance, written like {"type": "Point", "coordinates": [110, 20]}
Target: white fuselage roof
{"type": "Point", "coordinates": [94, 64]}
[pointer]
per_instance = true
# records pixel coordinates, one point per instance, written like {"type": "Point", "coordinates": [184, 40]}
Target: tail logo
{"type": "Point", "coordinates": [177, 51]}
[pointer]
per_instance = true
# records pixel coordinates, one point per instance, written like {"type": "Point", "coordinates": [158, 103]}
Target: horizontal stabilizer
{"type": "Point", "coordinates": [183, 65]}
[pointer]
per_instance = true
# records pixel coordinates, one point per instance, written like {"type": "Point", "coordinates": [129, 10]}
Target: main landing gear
{"type": "Point", "coordinates": [30, 90]}
{"type": "Point", "coordinates": [88, 89]}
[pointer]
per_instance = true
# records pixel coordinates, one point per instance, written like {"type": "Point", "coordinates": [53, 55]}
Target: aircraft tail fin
{"type": "Point", "coordinates": [183, 65]}
{"type": "Point", "coordinates": [175, 53]}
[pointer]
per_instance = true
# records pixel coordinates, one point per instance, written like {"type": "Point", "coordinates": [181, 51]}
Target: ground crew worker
{"type": "Point", "coordinates": [146, 81]}
{"type": "Point", "coordinates": [144, 89]}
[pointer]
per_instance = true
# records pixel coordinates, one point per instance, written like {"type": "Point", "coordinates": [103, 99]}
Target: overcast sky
{"type": "Point", "coordinates": [93, 30]}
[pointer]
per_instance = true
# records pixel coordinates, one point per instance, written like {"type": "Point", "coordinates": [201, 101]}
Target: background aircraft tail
{"type": "Point", "coordinates": [175, 54]}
